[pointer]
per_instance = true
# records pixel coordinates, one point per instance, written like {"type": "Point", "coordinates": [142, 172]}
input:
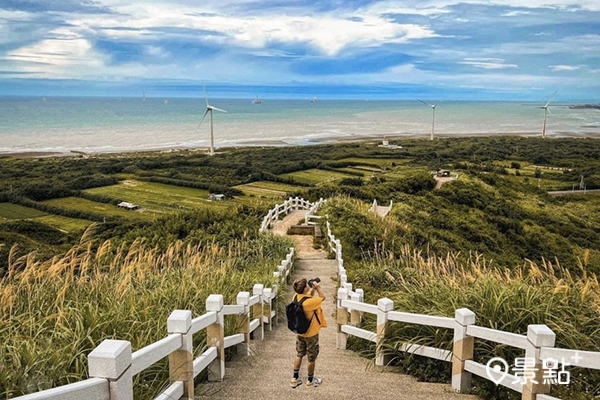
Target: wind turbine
{"type": "Point", "coordinates": [546, 114]}
{"type": "Point", "coordinates": [209, 109]}
{"type": "Point", "coordinates": [433, 106]}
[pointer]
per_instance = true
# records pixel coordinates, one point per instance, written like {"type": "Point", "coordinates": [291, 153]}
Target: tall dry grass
{"type": "Point", "coordinates": [507, 299]}
{"type": "Point", "coordinates": [503, 299]}
{"type": "Point", "coordinates": [54, 312]}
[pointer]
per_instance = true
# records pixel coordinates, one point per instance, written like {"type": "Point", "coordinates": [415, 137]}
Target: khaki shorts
{"type": "Point", "coordinates": [308, 346]}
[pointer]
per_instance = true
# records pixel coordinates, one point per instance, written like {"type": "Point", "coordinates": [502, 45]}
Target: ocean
{"type": "Point", "coordinates": [102, 125]}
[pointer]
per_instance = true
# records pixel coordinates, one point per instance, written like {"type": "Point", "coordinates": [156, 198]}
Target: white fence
{"type": "Point", "coordinates": [112, 365]}
{"type": "Point", "coordinates": [538, 344]}
{"type": "Point", "coordinates": [374, 208]}
{"type": "Point", "coordinates": [289, 205]}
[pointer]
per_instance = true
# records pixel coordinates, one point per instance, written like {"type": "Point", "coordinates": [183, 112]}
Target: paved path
{"type": "Point", "coordinates": [267, 372]}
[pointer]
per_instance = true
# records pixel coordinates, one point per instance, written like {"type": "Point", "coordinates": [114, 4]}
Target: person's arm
{"type": "Point", "coordinates": [317, 288]}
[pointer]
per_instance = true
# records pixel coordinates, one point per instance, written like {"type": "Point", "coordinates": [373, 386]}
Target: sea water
{"type": "Point", "coordinates": [96, 125]}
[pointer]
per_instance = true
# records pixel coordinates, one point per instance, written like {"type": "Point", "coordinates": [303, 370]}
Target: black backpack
{"type": "Point", "coordinates": [297, 321]}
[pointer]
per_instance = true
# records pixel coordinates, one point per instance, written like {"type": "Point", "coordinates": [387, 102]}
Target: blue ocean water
{"type": "Point", "coordinates": [96, 125]}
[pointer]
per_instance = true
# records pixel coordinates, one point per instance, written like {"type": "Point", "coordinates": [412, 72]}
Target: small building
{"type": "Point", "coordinates": [386, 144]}
{"type": "Point", "coordinates": [216, 197]}
{"type": "Point", "coordinates": [443, 173]}
{"type": "Point", "coordinates": [128, 206]}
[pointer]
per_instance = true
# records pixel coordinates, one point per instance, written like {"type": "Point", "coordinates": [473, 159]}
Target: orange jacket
{"type": "Point", "coordinates": [312, 306]}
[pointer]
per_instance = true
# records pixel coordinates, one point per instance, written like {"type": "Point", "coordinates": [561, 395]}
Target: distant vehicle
{"type": "Point", "coordinates": [257, 100]}
{"type": "Point", "coordinates": [314, 99]}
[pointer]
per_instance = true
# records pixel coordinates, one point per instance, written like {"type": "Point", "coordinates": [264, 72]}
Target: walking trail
{"type": "Point", "coordinates": [266, 373]}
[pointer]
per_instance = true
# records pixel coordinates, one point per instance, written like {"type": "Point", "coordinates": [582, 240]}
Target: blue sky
{"type": "Point", "coordinates": [436, 49]}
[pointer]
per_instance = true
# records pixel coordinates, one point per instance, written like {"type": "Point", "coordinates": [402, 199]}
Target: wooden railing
{"type": "Point", "coordinates": [538, 344]}
{"type": "Point", "coordinates": [290, 204]}
{"type": "Point", "coordinates": [112, 365]}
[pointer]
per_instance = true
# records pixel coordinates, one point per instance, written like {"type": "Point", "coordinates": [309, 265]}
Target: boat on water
{"type": "Point", "coordinates": [314, 99]}
{"type": "Point", "coordinates": [257, 100]}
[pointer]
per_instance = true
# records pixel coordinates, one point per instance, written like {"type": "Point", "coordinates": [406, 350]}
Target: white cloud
{"type": "Point", "coordinates": [328, 33]}
{"type": "Point", "coordinates": [515, 13]}
{"type": "Point", "coordinates": [67, 54]}
{"type": "Point", "coordinates": [487, 63]}
{"type": "Point", "coordinates": [558, 68]}
{"type": "Point", "coordinates": [590, 5]}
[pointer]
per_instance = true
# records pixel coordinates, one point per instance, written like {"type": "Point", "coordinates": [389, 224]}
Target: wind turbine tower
{"type": "Point", "coordinates": [209, 110]}
{"type": "Point", "coordinates": [546, 114]}
{"type": "Point", "coordinates": [433, 106]}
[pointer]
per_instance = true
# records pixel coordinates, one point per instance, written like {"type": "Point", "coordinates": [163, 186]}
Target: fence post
{"type": "Point", "coordinates": [274, 304]}
{"type": "Point", "coordinates": [462, 349]}
{"type": "Point", "coordinates": [355, 314]}
{"type": "Point", "coordinates": [538, 336]}
{"type": "Point", "coordinates": [215, 337]}
{"type": "Point", "coordinates": [111, 360]}
{"type": "Point", "coordinates": [181, 362]}
{"type": "Point", "coordinates": [342, 318]}
{"type": "Point", "coordinates": [243, 320]}
{"type": "Point", "coordinates": [267, 302]}
{"type": "Point", "coordinates": [383, 306]}
{"type": "Point", "coordinates": [257, 312]}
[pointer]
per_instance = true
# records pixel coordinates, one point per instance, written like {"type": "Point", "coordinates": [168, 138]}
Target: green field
{"type": "Point", "coordinates": [156, 197]}
{"type": "Point", "coordinates": [65, 223]}
{"type": "Point", "coordinates": [101, 209]}
{"type": "Point", "coordinates": [15, 211]}
{"type": "Point", "coordinates": [381, 162]}
{"type": "Point", "coordinates": [315, 176]}
{"type": "Point", "coordinates": [267, 189]}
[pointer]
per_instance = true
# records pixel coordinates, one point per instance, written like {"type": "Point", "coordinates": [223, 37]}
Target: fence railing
{"type": "Point", "coordinates": [290, 204]}
{"type": "Point", "coordinates": [533, 380]}
{"type": "Point", "coordinates": [374, 206]}
{"type": "Point", "coordinates": [112, 365]}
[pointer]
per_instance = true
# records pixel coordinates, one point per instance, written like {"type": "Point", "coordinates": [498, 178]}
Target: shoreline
{"type": "Point", "coordinates": [28, 154]}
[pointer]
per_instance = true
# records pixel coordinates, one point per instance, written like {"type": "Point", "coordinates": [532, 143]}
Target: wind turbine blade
{"type": "Point", "coordinates": [205, 96]}
{"type": "Point", "coordinates": [206, 112]}
{"type": "Point", "coordinates": [551, 98]}
{"type": "Point", "coordinates": [424, 102]}
{"type": "Point", "coordinates": [218, 109]}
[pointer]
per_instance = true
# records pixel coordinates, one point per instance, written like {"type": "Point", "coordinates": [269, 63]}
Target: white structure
{"type": "Point", "coordinates": [128, 206]}
{"type": "Point", "coordinates": [546, 114]}
{"type": "Point", "coordinates": [288, 206]}
{"type": "Point", "coordinates": [433, 106]}
{"type": "Point", "coordinates": [209, 109]}
{"type": "Point", "coordinates": [386, 144]}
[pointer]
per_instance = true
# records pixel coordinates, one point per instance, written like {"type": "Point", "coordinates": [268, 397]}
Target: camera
{"type": "Point", "coordinates": [313, 280]}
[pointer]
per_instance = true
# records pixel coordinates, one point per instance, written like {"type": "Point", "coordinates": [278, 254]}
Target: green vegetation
{"type": "Point", "coordinates": [493, 233]}
{"type": "Point", "coordinates": [53, 313]}
{"type": "Point", "coordinates": [415, 267]}
{"type": "Point", "coordinates": [15, 211]}
{"type": "Point", "coordinates": [313, 176]}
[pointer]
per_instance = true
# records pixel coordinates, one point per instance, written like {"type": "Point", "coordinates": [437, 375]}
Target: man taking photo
{"type": "Point", "coordinates": [307, 344]}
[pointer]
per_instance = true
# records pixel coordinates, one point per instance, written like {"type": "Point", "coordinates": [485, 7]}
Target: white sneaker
{"type": "Point", "coordinates": [295, 382]}
{"type": "Point", "coordinates": [315, 382]}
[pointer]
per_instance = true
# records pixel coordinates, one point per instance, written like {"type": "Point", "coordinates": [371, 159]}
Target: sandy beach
{"type": "Point", "coordinates": [280, 143]}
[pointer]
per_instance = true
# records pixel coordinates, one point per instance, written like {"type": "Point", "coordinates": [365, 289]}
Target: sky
{"type": "Point", "coordinates": [432, 49]}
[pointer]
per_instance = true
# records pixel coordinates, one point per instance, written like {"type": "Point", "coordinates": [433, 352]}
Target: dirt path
{"type": "Point", "coordinates": [267, 372]}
